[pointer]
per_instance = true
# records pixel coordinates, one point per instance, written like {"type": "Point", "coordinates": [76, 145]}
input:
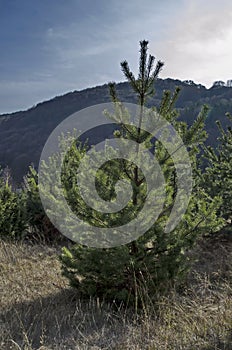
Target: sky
{"type": "Point", "coordinates": [50, 47]}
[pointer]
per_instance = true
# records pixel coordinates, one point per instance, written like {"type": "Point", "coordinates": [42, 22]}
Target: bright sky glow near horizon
{"type": "Point", "coordinates": [52, 47]}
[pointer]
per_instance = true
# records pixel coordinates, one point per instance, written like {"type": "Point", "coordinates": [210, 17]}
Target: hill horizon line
{"type": "Point", "coordinates": [218, 84]}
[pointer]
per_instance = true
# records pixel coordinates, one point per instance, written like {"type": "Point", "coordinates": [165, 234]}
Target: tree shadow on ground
{"type": "Point", "coordinates": [56, 318]}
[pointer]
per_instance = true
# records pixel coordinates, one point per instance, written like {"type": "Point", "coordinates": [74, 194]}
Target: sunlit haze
{"type": "Point", "coordinates": [52, 47]}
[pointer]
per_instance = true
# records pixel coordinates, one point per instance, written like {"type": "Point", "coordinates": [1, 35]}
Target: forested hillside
{"type": "Point", "coordinates": [23, 134]}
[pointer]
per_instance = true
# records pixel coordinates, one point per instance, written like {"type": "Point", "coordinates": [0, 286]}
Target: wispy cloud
{"type": "Point", "coordinates": [199, 46]}
{"type": "Point", "coordinates": [58, 47]}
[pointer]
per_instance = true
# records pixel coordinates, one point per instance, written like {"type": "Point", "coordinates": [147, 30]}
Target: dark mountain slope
{"type": "Point", "coordinates": [23, 134]}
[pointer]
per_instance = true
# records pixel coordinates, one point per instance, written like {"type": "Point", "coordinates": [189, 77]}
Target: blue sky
{"type": "Point", "coordinates": [49, 47]}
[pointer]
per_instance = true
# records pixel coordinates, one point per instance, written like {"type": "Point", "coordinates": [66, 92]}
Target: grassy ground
{"type": "Point", "coordinates": [40, 311]}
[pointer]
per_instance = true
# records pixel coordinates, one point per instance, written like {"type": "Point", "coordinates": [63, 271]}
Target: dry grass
{"type": "Point", "coordinates": [40, 311]}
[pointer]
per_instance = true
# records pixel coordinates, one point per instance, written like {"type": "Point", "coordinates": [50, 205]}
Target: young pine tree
{"type": "Point", "coordinates": [150, 264]}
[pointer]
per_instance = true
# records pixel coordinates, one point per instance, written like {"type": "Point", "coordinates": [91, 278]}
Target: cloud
{"type": "Point", "coordinates": [83, 45]}
{"type": "Point", "coordinates": [199, 45]}
{"type": "Point", "coordinates": [114, 36]}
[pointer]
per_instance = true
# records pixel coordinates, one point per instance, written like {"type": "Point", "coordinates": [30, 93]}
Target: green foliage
{"type": "Point", "coordinates": [41, 228]}
{"type": "Point", "coordinates": [13, 218]}
{"type": "Point", "coordinates": [217, 177]}
{"type": "Point", "coordinates": [152, 263]}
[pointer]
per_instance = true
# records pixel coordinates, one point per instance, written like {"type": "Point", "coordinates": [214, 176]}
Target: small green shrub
{"type": "Point", "coordinates": [13, 216]}
{"type": "Point", "coordinates": [217, 177]}
{"type": "Point", "coordinates": [41, 228]}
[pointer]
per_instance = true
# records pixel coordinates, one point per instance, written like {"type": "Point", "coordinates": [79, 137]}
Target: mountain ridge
{"type": "Point", "coordinates": [23, 133]}
{"type": "Point", "coordinates": [186, 82]}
